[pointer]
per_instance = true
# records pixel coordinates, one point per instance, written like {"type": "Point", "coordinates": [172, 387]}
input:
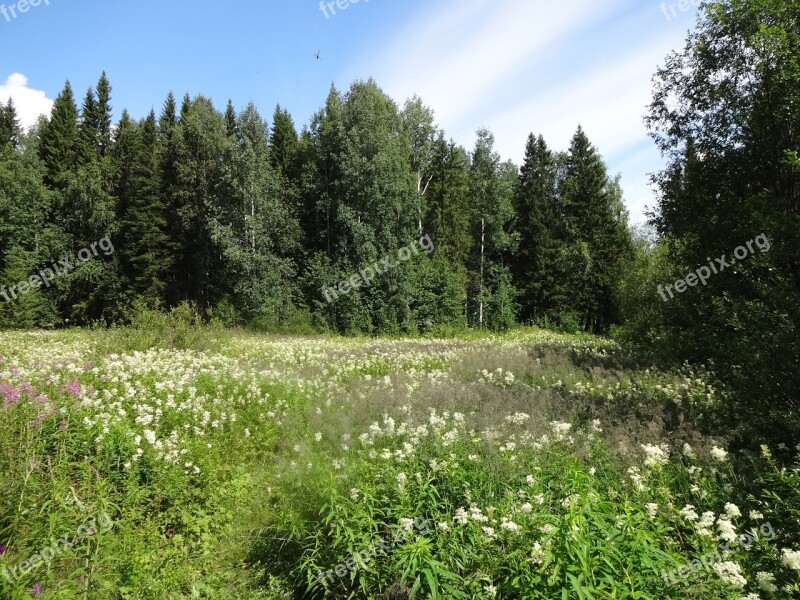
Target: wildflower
{"type": "Point", "coordinates": [751, 596]}
{"type": "Point", "coordinates": [688, 513]}
{"type": "Point", "coordinates": [461, 516]}
{"type": "Point", "coordinates": [766, 582]}
{"type": "Point", "coordinates": [755, 515]}
{"type": "Point", "coordinates": [688, 451]}
{"type": "Point", "coordinates": [476, 515]}
{"type": "Point", "coordinates": [727, 531]}
{"type": "Point", "coordinates": [637, 479]}
{"type": "Point", "coordinates": [443, 526]}
{"type": "Point", "coordinates": [37, 589]}
{"type": "Point", "coordinates": [354, 493]}
{"type": "Point", "coordinates": [547, 529]}
{"type": "Point", "coordinates": [530, 480]}
{"type": "Point", "coordinates": [401, 480]}
{"type": "Point", "coordinates": [538, 554]}
{"type": "Point", "coordinates": [719, 454]}
{"type": "Point", "coordinates": [526, 508]}
{"type": "Point", "coordinates": [570, 501]}
{"type": "Point", "coordinates": [490, 590]}
{"type": "Point", "coordinates": [490, 533]}
{"type": "Point", "coordinates": [3, 550]}
{"type": "Point", "coordinates": [508, 525]}
{"type": "Point", "coordinates": [407, 524]}
{"type": "Point", "coordinates": [592, 471]}
{"type": "Point", "coordinates": [705, 523]}
{"type": "Point", "coordinates": [765, 451]}
{"type": "Point", "coordinates": [656, 455]}
{"type": "Point", "coordinates": [730, 572]}
{"type": "Point", "coordinates": [652, 509]}
{"type": "Point", "coordinates": [731, 511]}
{"type": "Point", "coordinates": [791, 558]}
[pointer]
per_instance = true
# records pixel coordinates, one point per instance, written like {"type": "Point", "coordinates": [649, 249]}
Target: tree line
{"type": "Point", "coordinates": [249, 221]}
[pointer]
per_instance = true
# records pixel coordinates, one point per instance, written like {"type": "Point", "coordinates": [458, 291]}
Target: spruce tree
{"type": "Point", "coordinates": [10, 130]}
{"type": "Point", "coordinates": [59, 141]}
{"type": "Point", "coordinates": [103, 115]}
{"type": "Point", "coordinates": [88, 129]}
{"type": "Point", "coordinates": [283, 142]}
{"type": "Point", "coordinates": [536, 222]}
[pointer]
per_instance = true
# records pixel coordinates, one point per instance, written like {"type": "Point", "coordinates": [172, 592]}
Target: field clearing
{"type": "Point", "coordinates": [525, 465]}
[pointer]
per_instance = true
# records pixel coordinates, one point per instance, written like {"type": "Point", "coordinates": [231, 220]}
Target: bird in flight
{"type": "Point", "coordinates": [318, 58]}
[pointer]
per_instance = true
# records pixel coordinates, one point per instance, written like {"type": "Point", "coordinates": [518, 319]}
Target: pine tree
{"type": "Point", "coordinates": [593, 239]}
{"type": "Point", "coordinates": [283, 142]}
{"type": "Point", "coordinates": [10, 130]}
{"type": "Point", "coordinates": [103, 115]}
{"type": "Point", "coordinates": [60, 140]}
{"type": "Point", "coordinates": [142, 221]}
{"type": "Point", "coordinates": [448, 217]}
{"type": "Point", "coordinates": [88, 129]}
{"type": "Point", "coordinates": [536, 222]}
{"type": "Point", "coordinates": [230, 120]}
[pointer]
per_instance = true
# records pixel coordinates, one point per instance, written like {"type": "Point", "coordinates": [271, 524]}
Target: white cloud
{"type": "Point", "coordinates": [518, 67]}
{"type": "Point", "coordinates": [29, 103]}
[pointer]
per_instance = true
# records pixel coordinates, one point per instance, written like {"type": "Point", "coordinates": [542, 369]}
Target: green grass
{"type": "Point", "coordinates": [236, 465]}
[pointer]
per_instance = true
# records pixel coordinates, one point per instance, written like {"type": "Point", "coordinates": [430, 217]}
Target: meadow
{"type": "Point", "coordinates": [530, 464]}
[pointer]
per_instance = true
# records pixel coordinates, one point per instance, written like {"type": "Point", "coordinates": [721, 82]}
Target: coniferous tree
{"type": "Point", "coordinates": [10, 130]}
{"type": "Point", "coordinates": [59, 142]}
{"type": "Point", "coordinates": [593, 242]}
{"type": "Point", "coordinates": [88, 129]}
{"type": "Point", "coordinates": [283, 143]}
{"type": "Point", "coordinates": [536, 206]}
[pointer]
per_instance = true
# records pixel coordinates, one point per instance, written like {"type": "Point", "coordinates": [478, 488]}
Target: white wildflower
{"type": "Point", "coordinates": [730, 572]}
{"type": "Point", "coordinates": [656, 455]}
{"type": "Point", "coordinates": [791, 558]}
{"type": "Point", "coordinates": [731, 511]}
{"type": "Point", "coordinates": [766, 582]}
{"type": "Point", "coordinates": [719, 454]}
{"type": "Point", "coordinates": [538, 554]}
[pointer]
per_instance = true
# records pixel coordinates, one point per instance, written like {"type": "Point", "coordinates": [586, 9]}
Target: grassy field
{"type": "Point", "coordinates": [230, 465]}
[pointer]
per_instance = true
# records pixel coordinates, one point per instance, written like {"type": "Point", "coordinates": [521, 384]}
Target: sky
{"type": "Point", "coordinates": [513, 66]}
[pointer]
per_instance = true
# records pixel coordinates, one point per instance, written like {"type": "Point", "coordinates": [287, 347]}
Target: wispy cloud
{"type": "Point", "coordinates": [518, 67]}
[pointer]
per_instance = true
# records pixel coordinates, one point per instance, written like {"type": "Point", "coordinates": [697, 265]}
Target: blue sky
{"type": "Point", "coordinates": [514, 66]}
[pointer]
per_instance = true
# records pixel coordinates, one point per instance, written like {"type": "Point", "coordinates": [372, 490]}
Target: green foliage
{"type": "Point", "coordinates": [731, 177]}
